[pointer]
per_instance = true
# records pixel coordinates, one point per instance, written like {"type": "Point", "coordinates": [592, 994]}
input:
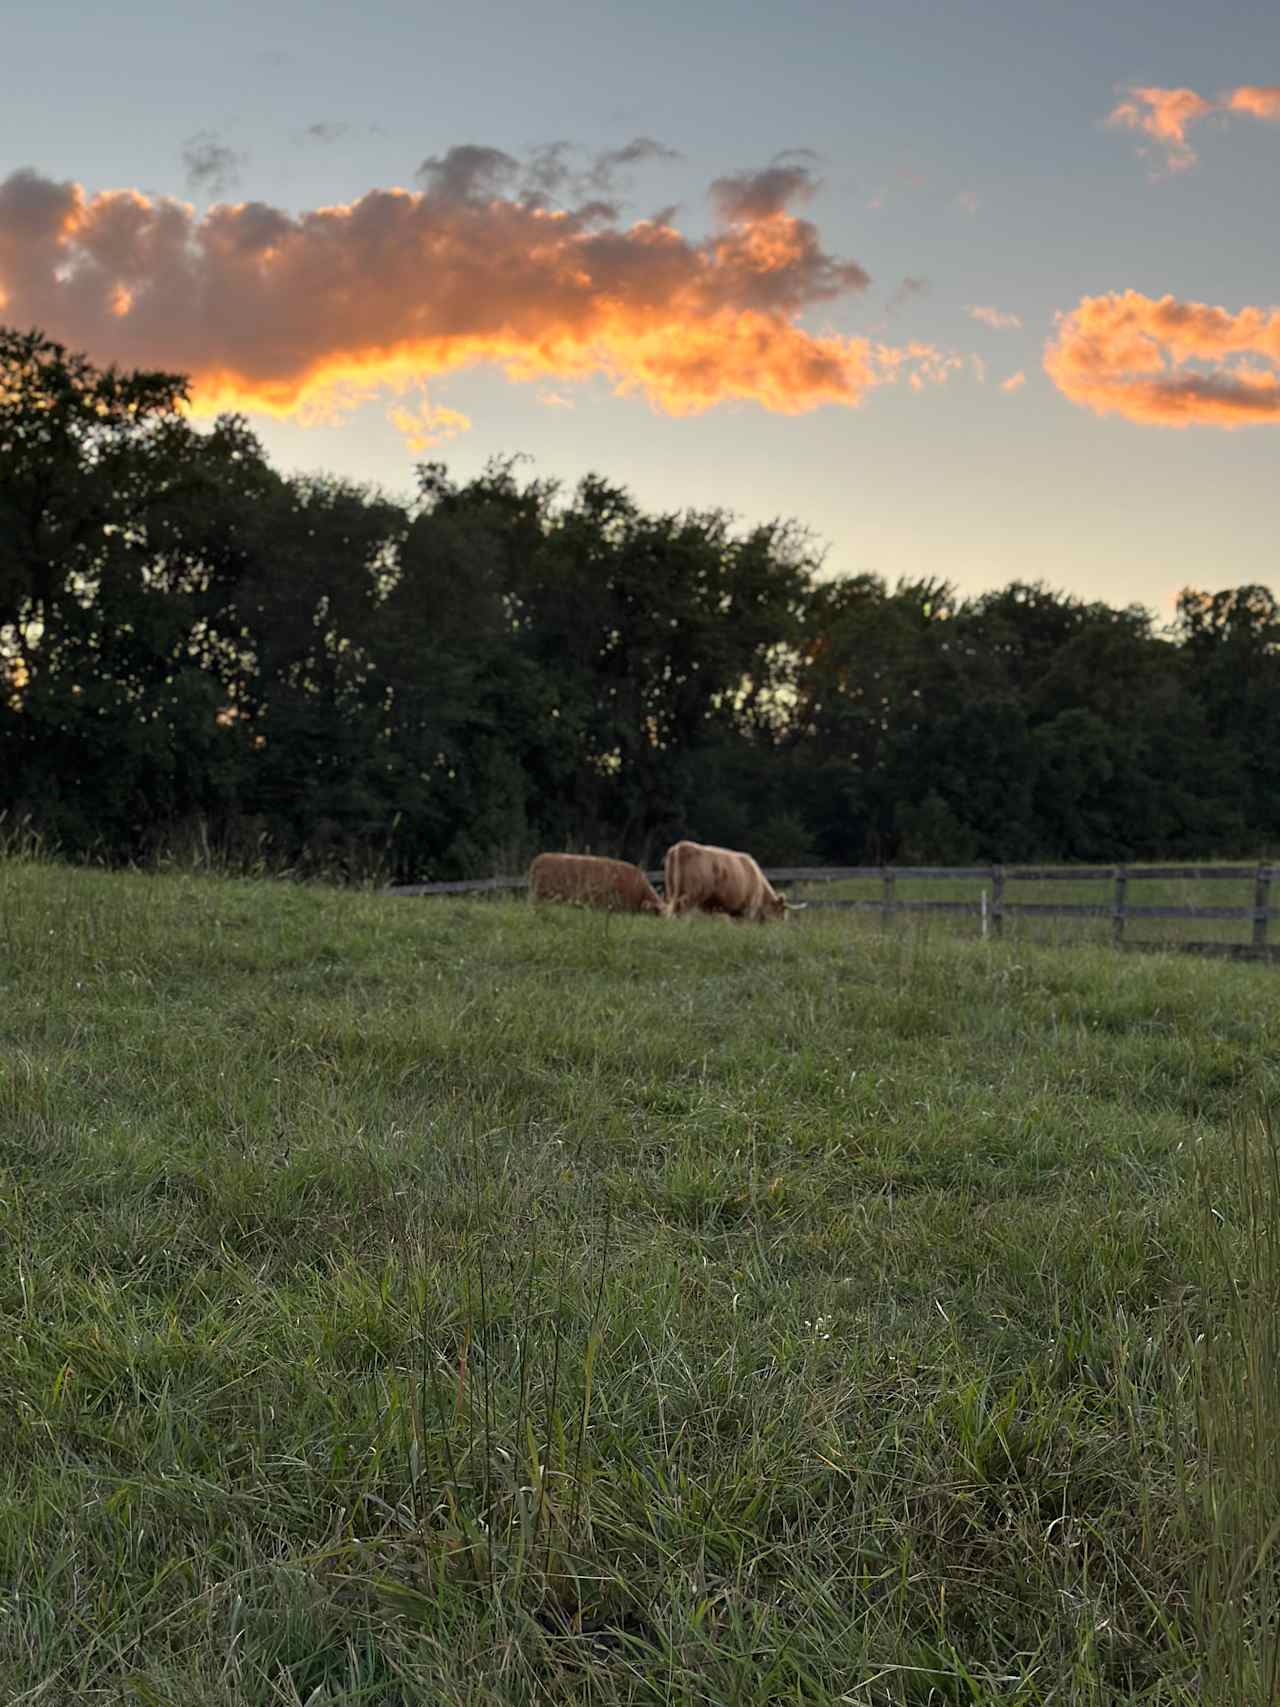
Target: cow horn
{"type": "Point", "coordinates": [795, 906]}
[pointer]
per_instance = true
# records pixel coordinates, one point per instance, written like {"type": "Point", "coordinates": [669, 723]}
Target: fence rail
{"type": "Point", "coordinates": [890, 901]}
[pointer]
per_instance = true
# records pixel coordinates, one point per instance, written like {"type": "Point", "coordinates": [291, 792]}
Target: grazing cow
{"type": "Point", "coordinates": [609, 883]}
{"type": "Point", "coordinates": [718, 880]}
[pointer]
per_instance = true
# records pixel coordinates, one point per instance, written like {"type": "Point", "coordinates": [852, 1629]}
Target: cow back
{"type": "Point", "coordinates": [593, 881]}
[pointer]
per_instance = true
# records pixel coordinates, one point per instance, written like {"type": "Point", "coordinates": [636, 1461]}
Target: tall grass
{"type": "Point", "coordinates": [469, 1303]}
{"type": "Point", "coordinates": [1225, 1356]}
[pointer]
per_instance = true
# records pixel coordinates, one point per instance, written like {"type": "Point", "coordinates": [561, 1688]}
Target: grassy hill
{"type": "Point", "coordinates": [456, 1302]}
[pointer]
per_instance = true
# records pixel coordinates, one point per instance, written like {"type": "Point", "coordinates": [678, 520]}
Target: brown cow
{"type": "Point", "coordinates": [718, 880]}
{"type": "Point", "coordinates": [609, 883]}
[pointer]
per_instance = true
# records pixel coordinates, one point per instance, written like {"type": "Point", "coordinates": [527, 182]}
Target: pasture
{"type": "Point", "coordinates": [469, 1303]}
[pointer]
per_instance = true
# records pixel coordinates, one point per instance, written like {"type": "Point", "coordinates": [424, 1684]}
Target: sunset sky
{"type": "Point", "coordinates": [986, 290]}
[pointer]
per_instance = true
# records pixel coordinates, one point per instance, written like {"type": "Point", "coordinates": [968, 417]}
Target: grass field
{"type": "Point", "coordinates": [457, 1302]}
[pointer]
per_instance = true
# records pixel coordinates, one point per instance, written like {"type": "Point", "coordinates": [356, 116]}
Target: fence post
{"type": "Point", "coordinates": [1118, 908]}
{"type": "Point", "coordinates": [1261, 892]}
{"type": "Point", "coordinates": [888, 906]}
{"type": "Point", "coordinates": [997, 900]}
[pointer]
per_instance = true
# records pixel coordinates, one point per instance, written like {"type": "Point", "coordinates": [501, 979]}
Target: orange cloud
{"type": "Point", "coordinates": [428, 425]}
{"type": "Point", "coordinates": [1128, 354]}
{"type": "Point", "coordinates": [1165, 115]}
{"type": "Point", "coordinates": [289, 314]}
{"type": "Point", "coordinates": [1015, 381]}
{"type": "Point", "coordinates": [1258, 101]}
{"type": "Point", "coordinates": [995, 318]}
{"type": "Point", "coordinates": [922, 364]}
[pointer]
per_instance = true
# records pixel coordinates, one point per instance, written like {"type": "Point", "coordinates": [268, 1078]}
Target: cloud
{"type": "Point", "coordinates": [1015, 381]}
{"type": "Point", "coordinates": [905, 290]}
{"type": "Point", "coordinates": [427, 425]}
{"type": "Point", "coordinates": [638, 152]}
{"type": "Point", "coordinates": [1258, 101]}
{"type": "Point", "coordinates": [211, 165]}
{"type": "Point", "coordinates": [551, 173]}
{"type": "Point", "coordinates": [922, 363]}
{"type": "Point", "coordinates": [279, 312]}
{"type": "Point", "coordinates": [469, 173]}
{"type": "Point", "coordinates": [1166, 115]}
{"type": "Point", "coordinates": [744, 196]}
{"type": "Point", "coordinates": [326, 130]}
{"type": "Point", "coordinates": [995, 318]}
{"type": "Point", "coordinates": [1128, 354]}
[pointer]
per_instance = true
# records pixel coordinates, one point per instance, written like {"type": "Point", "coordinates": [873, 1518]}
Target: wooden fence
{"type": "Point", "coordinates": [993, 910]}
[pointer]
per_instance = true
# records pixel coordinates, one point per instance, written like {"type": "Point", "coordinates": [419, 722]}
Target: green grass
{"type": "Point", "coordinates": [461, 1302]}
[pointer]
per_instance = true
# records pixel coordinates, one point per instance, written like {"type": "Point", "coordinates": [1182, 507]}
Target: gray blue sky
{"type": "Point", "coordinates": [724, 254]}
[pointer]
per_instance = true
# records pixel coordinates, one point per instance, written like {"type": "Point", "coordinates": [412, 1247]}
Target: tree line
{"type": "Point", "coordinates": [306, 671]}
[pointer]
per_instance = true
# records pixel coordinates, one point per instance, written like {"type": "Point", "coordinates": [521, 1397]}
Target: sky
{"type": "Point", "coordinates": [987, 290]}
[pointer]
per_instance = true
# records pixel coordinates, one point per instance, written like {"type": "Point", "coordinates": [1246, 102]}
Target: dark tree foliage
{"type": "Point", "coordinates": [196, 651]}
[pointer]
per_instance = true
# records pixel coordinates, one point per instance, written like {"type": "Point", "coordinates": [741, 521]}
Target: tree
{"type": "Point", "coordinates": [107, 710]}
{"type": "Point", "coordinates": [84, 454]}
{"type": "Point", "coordinates": [189, 638]}
{"type": "Point", "coordinates": [879, 669]}
{"type": "Point", "coordinates": [1230, 647]}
